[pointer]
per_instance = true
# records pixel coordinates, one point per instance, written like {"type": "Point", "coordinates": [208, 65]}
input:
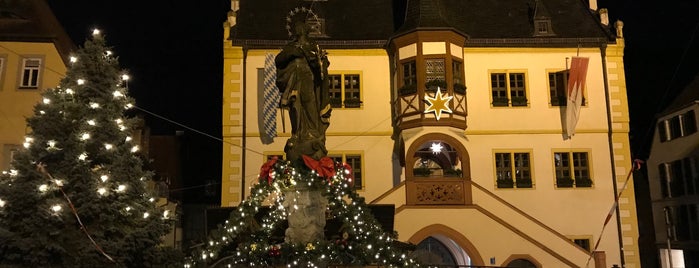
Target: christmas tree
{"type": "Point", "coordinates": [246, 241]}
{"type": "Point", "coordinates": [77, 195]}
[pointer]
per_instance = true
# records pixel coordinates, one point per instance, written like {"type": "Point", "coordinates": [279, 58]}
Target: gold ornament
{"type": "Point", "coordinates": [438, 104]}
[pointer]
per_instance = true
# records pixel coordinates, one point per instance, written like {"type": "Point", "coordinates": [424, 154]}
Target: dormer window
{"type": "Point", "coordinates": [542, 20]}
{"type": "Point", "coordinates": [543, 27]}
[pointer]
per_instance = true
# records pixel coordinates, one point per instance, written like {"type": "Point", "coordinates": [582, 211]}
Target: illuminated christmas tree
{"type": "Point", "coordinates": [76, 195]}
{"type": "Point", "coordinates": [248, 239]}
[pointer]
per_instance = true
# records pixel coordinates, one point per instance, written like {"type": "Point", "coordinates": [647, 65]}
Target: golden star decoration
{"type": "Point", "coordinates": [438, 104]}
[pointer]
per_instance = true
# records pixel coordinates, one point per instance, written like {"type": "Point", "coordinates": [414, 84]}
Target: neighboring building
{"type": "Point", "coordinates": [507, 187]}
{"type": "Point", "coordinates": [34, 52]}
{"type": "Point", "coordinates": [673, 174]}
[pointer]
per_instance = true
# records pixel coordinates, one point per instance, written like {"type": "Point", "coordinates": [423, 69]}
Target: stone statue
{"type": "Point", "coordinates": [302, 70]}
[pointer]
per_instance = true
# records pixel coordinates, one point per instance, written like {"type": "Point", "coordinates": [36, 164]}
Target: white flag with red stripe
{"type": "Point", "coordinates": [576, 84]}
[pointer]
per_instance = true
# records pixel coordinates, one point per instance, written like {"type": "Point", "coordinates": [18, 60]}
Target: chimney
{"type": "Point", "coordinates": [235, 5]}
{"type": "Point", "coordinates": [619, 29]}
{"type": "Point", "coordinates": [593, 5]}
{"type": "Point", "coordinates": [604, 16]}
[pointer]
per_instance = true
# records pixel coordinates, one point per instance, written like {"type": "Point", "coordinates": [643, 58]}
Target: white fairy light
{"type": "Point", "coordinates": [108, 146]}
{"type": "Point", "coordinates": [128, 106]}
{"type": "Point", "coordinates": [151, 199]}
{"type": "Point", "coordinates": [73, 59]}
{"type": "Point", "coordinates": [101, 191]}
{"type": "Point", "coordinates": [94, 105]}
{"type": "Point", "coordinates": [2, 203]}
{"type": "Point", "coordinates": [118, 120]}
{"type": "Point", "coordinates": [43, 188]}
{"type": "Point", "coordinates": [91, 122]}
{"type": "Point", "coordinates": [95, 31]}
{"type": "Point", "coordinates": [121, 188]}
{"type": "Point", "coordinates": [56, 208]}
{"type": "Point", "coordinates": [69, 91]}
{"type": "Point", "coordinates": [146, 214]}
{"type": "Point", "coordinates": [82, 156]}
{"type": "Point", "coordinates": [128, 138]}
{"type": "Point", "coordinates": [85, 136]}
{"type": "Point", "coordinates": [166, 213]}
{"type": "Point", "coordinates": [104, 178]}
{"type": "Point", "coordinates": [125, 77]}
{"type": "Point", "coordinates": [42, 112]}
{"type": "Point", "coordinates": [109, 52]}
{"type": "Point", "coordinates": [122, 127]}
{"type": "Point", "coordinates": [134, 149]}
{"type": "Point", "coordinates": [47, 100]}
{"type": "Point", "coordinates": [128, 208]}
{"type": "Point", "coordinates": [58, 183]}
{"type": "Point", "coordinates": [117, 94]}
{"type": "Point", "coordinates": [13, 172]}
{"type": "Point", "coordinates": [51, 143]}
{"type": "Point", "coordinates": [81, 81]}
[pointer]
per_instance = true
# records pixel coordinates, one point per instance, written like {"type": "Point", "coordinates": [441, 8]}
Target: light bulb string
{"type": "Point", "coordinates": [42, 169]}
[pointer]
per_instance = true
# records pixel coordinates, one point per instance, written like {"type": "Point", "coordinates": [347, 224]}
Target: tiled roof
{"type": "Point", "coordinates": [384, 19]}
{"type": "Point", "coordinates": [345, 20]}
{"type": "Point", "coordinates": [689, 95]}
{"type": "Point", "coordinates": [32, 21]}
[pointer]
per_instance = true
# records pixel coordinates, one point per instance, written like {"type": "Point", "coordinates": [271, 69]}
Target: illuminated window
{"type": "Point", "coordinates": [30, 73]}
{"type": "Point", "coordinates": [584, 243]}
{"type": "Point", "coordinates": [458, 75]}
{"type": "Point", "coordinates": [513, 170]}
{"type": "Point", "coordinates": [435, 70]}
{"type": "Point", "coordinates": [677, 126]}
{"type": "Point", "coordinates": [355, 162]}
{"type": "Point", "coordinates": [572, 169]}
{"type": "Point", "coordinates": [508, 89]}
{"type": "Point", "coordinates": [345, 90]}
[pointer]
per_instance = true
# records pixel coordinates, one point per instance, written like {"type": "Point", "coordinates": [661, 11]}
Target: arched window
{"type": "Point", "coordinates": [521, 263]}
{"type": "Point", "coordinates": [436, 158]}
{"type": "Point", "coordinates": [432, 252]}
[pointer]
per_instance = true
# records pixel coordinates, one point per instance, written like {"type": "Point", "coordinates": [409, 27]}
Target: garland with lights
{"type": "Point", "coordinates": [242, 241]}
{"type": "Point", "coordinates": [80, 169]}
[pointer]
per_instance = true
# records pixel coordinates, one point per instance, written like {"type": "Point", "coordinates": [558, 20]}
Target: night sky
{"type": "Point", "coordinates": [172, 49]}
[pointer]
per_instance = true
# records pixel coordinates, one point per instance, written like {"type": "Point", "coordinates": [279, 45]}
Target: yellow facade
{"type": "Point", "coordinates": [16, 104]}
{"type": "Point", "coordinates": [488, 225]}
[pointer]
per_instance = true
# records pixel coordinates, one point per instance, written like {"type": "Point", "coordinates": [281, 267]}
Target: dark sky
{"type": "Point", "coordinates": [172, 49]}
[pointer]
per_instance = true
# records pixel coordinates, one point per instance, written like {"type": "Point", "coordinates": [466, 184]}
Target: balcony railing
{"type": "Point", "coordinates": [437, 191]}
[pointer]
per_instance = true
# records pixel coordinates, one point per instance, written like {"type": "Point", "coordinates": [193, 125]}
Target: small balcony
{"type": "Point", "coordinates": [437, 191]}
{"type": "Point", "coordinates": [410, 106]}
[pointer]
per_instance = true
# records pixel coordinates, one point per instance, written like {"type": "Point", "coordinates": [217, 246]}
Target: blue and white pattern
{"type": "Point", "coordinates": [271, 98]}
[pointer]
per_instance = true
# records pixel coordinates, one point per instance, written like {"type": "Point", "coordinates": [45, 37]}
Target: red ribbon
{"type": "Point", "coordinates": [266, 170]}
{"type": "Point", "coordinates": [325, 167]}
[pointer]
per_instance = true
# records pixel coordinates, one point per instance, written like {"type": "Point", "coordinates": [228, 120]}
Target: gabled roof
{"type": "Point", "coordinates": [33, 21]}
{"type": "Point", "coordinates": [688, 96]}
{"type": "Point", "coordinates": [358, 20]}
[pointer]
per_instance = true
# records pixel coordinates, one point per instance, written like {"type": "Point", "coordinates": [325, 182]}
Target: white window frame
{"type": "Point", "coordinates": [34, 73]}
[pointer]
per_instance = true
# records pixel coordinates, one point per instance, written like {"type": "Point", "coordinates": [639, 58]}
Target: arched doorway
{"type": "Point", "coordinates": [521, 263]}
{"type": "Point", "coordinates": [439, 244]}
{"type": "Point", "coordinates": [437, 155]}
{"type": "Point", "coordinates": [440, 251]}
{"type": "Point", "coordinates": [437, 171]}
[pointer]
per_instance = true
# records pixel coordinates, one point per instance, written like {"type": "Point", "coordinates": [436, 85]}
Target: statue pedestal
{"type": "Point", "coordinates": [306, 215]}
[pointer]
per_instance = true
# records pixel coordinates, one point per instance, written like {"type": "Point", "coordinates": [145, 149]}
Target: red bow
{"type": "Point", "coordinates": [325, 167]}
{"type": "Point", "coordinates": [266, 170]}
